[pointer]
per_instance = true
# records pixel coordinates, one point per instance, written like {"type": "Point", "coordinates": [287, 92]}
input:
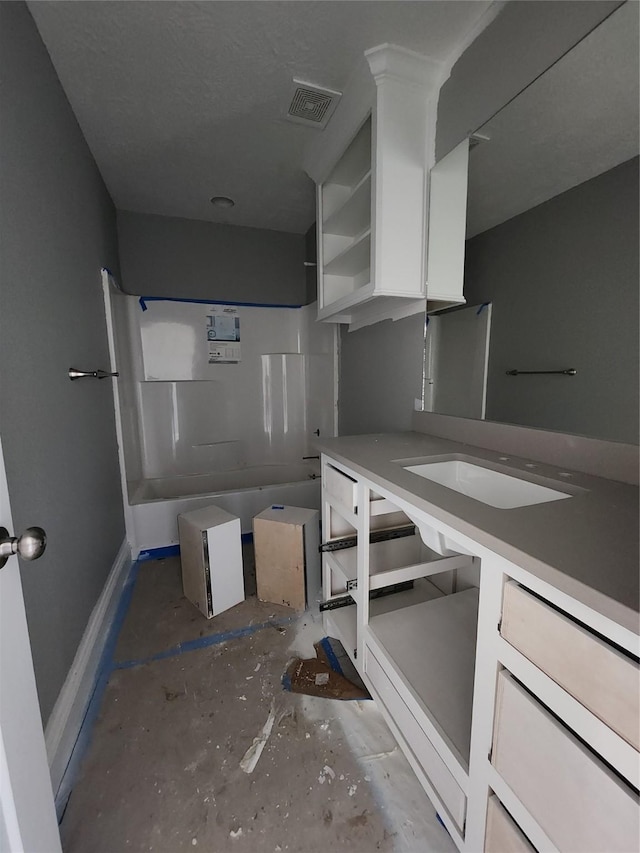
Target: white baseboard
{"type": "Point", "coordinates": [69, 711]}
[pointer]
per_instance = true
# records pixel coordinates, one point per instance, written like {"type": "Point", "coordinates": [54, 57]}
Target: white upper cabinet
{"type": "Point", "coordinates": [371, 167]}
{"type": "Point", "coordinates": [447, 228]}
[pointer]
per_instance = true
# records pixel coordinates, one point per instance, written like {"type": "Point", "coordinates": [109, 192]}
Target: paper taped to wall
{"type": "Point", "coordinates": [223, 334]}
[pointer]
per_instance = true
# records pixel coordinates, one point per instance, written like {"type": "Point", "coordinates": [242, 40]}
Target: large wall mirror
{"type": "Point", "coordinates": [552, 242]}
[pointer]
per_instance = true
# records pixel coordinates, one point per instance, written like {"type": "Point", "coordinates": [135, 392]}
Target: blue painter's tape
{"type": "Point", "coordinates": [159, 553]}
{"type": "Point", "coordinates": [93, 707]}
{"type": "Point", "coordinates": [205, 642]}
{"type": "Point", "coordinates": [144, 299]}
{"type": "Point", "coordinates": [331, 656]}
{"type": "Point", "coordinates": [247, 538]}
{"type": "Point", "coordinates": [479, 311]}
{"type": "Point", "coordinates": [277, 506]}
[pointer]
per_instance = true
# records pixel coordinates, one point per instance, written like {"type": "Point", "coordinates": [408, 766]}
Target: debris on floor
{"type": "Point", "coordinates": [252, 755]}
{"type": "Point", "coordinates": [324, 675]}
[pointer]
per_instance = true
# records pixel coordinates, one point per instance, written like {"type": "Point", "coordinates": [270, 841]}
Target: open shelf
{"type": "Point", "coordinates": [352, 260]}
{"type": "Point", "coordinates": [353, 215]}
{"type": "Point", "coordinates": [441, 681]}
{"type": "Point", "coordinates": [355, 161]}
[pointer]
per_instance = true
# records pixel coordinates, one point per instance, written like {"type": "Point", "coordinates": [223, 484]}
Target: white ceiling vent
{"type": "Point", "coordinates": [312, 105]}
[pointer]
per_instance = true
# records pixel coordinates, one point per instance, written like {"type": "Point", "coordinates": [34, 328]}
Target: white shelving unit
{"type": "Point", "coordinates": [370, 166]}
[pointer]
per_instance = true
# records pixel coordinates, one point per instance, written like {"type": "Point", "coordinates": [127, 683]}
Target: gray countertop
{"type": "Point", "coordinates": [586, 546]}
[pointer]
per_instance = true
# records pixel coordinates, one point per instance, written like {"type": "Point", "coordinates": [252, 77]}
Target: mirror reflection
{"type": "Point", "coordinates": [552, 245]}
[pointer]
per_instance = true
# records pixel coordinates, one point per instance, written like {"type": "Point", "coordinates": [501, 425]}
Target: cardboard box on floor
{"type": "Point", "coordinates": [211, 557]}
{"type": "Point", "coordinates": [286, 541]}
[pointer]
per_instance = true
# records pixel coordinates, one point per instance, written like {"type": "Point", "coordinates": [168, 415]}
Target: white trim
{"type": "Point", "coordinates": [69, 711]}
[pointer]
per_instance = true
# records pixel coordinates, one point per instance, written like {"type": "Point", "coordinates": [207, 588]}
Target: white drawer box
{"type": "Point", "coordinates": [340, 487]}
{"type": "Point", "coordinates": [435, 769]}
{"type": "Point", "coordinates": [503, 835]}
{"type": "Point", "coordinates": [600, 677]}
{"type": "Point", "coordinates": [576, 800]}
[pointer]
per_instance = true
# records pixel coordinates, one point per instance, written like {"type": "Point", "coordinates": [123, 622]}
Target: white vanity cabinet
{"type": "Point", "coordinates": [516, 705]}
{"type": "Point", "coordinates": [414, 648]}
{"type": "Point", "coordinates": [370, 166]}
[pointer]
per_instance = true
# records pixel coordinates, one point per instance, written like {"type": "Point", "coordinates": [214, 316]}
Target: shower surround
{"type": "Point", "coordinates": [194, 431]}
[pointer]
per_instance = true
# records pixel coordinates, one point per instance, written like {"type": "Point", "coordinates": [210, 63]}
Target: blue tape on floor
{"type": "Point", "coordinates": [247, 538]}
{"type": "Point", "coordinates": [204, 642]}
{"type": "Point", "coordinates": [105, 668]}
{"type": "Point", "coordinates": [159, 553]}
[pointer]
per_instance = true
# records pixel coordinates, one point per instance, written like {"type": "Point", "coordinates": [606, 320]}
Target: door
{"type": "Point", "coordinates": [457, 362]}
{"type": "Point", "coordinates": [27, 813]}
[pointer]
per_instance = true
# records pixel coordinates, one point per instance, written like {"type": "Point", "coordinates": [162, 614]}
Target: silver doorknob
{"type": "Point", "coordinates": [29, 546]}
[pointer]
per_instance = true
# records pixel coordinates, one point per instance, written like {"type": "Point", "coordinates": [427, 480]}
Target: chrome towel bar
{"type": "Point", "coordinates": [570, 371]}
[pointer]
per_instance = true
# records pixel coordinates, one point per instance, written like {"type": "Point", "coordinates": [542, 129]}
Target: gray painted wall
{"type": "Point", "coordinates": [380, 376]}
{"type": "Point", "coordinates": [167, 256]}
{"type": "Point", "coordinates": [57, 228]}
{"type": "Point", "coordinates": [563, 280]}
{"type": "Point", "coordinates": [525, 39]}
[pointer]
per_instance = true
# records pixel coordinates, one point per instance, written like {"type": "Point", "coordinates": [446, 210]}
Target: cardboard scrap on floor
{"type": "Point", "coordinates": [323, 675]}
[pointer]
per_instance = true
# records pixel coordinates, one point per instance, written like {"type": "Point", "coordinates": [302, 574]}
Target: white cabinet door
{"type": "Point", "coordinates": [27, 814]}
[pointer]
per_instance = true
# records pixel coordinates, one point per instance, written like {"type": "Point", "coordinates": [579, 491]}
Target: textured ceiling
{"type": "Point", "coordinates": [576, 121]}
{"type": "Point", "coordinates": [180, 101]}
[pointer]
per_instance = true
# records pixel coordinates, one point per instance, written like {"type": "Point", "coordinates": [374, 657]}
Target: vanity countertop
{"type": "Point", "coordinates": [586, 546]}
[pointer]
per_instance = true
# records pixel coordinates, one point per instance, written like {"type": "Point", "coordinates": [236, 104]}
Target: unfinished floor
{"type": "Point", "coordinates": [185, 699]}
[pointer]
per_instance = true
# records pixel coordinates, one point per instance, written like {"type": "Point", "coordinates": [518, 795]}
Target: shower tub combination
{"type": "Point", "coordinates": [156, 503]}
{"type": "Point", "coordinates": [194, 432]}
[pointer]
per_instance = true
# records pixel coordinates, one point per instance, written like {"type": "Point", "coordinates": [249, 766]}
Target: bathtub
{"type": "Point", "coordinates": [156, 503]}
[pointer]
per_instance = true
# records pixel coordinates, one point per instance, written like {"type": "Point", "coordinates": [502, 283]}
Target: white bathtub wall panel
{"type": "Point", "coordinates": [283, 408]}
{"type": "Point", "coordinates": [175, 346]}
{"type": "Point", "coordinates": [192, 411]}
{"type": "Point", "coordinates": [319, 342]}
{"type": "Point", "coordinates": [320, 399]}
{"type": "Point", "coordinates": [127, 392]}
{"type": "Point", "coordinates": [182, 432]}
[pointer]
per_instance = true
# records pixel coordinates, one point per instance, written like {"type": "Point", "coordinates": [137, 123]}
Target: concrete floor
{"type": "Point", "coordinates": [162, 770]}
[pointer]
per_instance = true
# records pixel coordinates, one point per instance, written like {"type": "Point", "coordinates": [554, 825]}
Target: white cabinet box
{"type": "Point", "coordinates": [371, 166]}
{"type": "Point", "coordinates": [211, 557]}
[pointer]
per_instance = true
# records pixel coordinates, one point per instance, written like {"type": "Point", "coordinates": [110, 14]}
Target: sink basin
{"type": "Point", "coordinates": [486, 485]}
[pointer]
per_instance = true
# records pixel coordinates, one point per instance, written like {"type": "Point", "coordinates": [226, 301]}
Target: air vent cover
{"type": "Point", "coordinates": [312, 105]}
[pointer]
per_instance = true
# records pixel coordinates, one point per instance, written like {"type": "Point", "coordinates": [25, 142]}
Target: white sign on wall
{"type": "Point", "coordinates": [223, 334]}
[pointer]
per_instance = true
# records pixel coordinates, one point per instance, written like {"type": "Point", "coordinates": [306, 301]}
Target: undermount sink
{"type": "Point", "coordinates": [486, 485]}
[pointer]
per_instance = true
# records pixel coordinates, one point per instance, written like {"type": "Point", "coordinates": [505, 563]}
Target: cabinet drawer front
{"type": "Point", "coordinates": [503, 834]}
{"type": "Point", "coordinates": [423, 751]}
{"type": "Point", "coordinates": [595, 673]}
{"type": "Point", "coordinates": [340, 487]}
{"type": "Point", "coordinates": [577, 801]}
